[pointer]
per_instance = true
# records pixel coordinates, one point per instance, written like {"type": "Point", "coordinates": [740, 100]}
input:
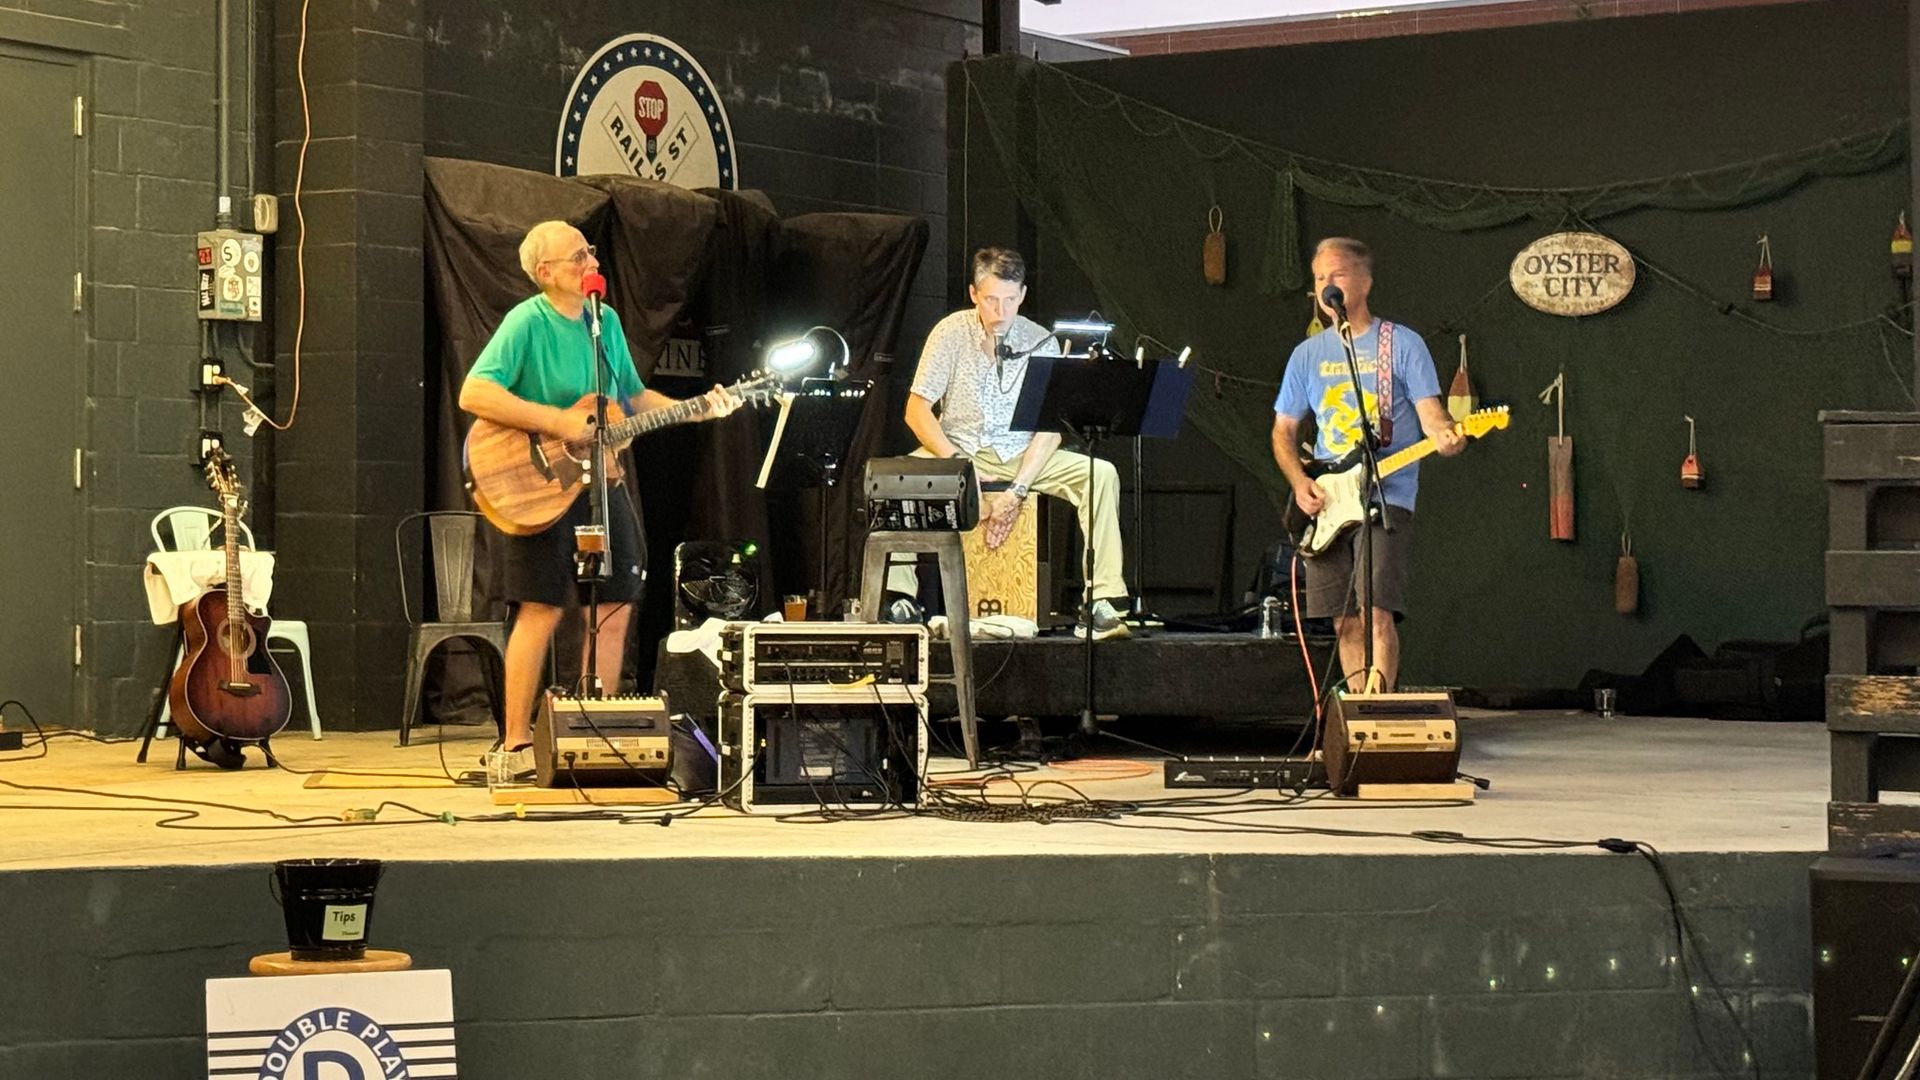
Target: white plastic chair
{"type": "Point", "coordinates": [192, 529]}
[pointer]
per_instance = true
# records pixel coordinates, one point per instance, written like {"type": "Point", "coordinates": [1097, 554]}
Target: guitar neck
{"type": "Point", "coordinates": [681, 412]}
{"type": "Point", "coordinates": [236, 605]}
{"type": "Point", "coordinates": [1400, 459]}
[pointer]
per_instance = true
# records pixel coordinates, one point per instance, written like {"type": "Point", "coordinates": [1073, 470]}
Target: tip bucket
{"type": "Point", "coordinates": [328, 905]}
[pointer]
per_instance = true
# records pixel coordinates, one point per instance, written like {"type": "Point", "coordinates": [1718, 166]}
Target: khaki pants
{"type": "Point", "coordinates": [1065, 477]}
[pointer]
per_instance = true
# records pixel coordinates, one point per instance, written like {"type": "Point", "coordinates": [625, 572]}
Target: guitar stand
{"type": "Point", "coordinates": [226, 754]}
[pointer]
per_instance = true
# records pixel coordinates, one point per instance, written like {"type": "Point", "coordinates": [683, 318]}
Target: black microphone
{"type": "Point", "coordinates": [1002, 352]}
{"type": "Point", "coordinates": [1335, 300]}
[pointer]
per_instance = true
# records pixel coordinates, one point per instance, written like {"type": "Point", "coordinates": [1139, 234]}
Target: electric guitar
{"type": "Point", "coordinates": [1345, 482]}
{"type": "Point", "coordinates": [523, 481]}
{"type": "Point", "coordinates": [228, 686]}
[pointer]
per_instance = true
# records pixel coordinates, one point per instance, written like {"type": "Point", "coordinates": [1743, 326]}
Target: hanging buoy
{"type": "Point", "coordinates": [1626, 578]}
{"type": "Point", "coordinates": [1460, 398]}
{"type": "Point", "coordinates": [1691, 475]}
{"type": "Point", "coordinates": [1213, 250]}
{"type": "Point", "coordinates": [1902, 249]}
{"type": "Point", "coordinates": [1559, 464]}
{"type": "Point", "coordinates": [1763, 277]}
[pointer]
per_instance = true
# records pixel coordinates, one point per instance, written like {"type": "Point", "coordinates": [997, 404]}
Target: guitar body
{"type": "Point", "coordinates": [207, 703]}
{"type": "Point", "coordinates": [523, 481]}
{"type": "Point", "coordinates": [1344, 482]}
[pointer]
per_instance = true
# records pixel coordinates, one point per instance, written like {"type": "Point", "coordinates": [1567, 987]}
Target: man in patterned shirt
{"type": "Point", "coordinates": [976, 384]}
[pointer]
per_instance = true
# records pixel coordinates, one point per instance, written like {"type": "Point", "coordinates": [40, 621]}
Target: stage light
{"type": "Point", "coordinates": [1185, 355]}
{"type": "Point", "coordinates": [791, 356]}
{"type": "Point", "coordinates": [803, 353]}
{"type": "Point", "coordinates": [1082, 328]}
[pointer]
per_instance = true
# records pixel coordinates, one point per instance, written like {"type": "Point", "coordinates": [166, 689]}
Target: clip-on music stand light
{"type": "Point", "coordinates": [1090, 398]}
{"type": "Point", "coordinates": [811, 440]}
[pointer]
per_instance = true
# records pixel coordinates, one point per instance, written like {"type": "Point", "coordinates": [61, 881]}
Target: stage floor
{"type": "Point", "coordinates": [1681, 785]}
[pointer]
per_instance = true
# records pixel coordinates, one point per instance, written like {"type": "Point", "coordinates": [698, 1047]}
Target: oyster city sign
{"type": "Point", "coordinates": [1572, 273]}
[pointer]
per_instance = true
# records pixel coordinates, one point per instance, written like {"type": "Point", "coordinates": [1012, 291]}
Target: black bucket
{"type": "Point", "coordinates": [328, 904]}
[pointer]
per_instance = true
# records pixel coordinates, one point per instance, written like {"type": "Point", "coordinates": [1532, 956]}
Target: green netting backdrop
{"type": "Point", "coordinates": [1124, 184]}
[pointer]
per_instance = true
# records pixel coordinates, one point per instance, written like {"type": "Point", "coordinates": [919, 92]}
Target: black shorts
{"type": "Point", "coordinates": [539, 568]}
{"type": "Point", "coordinates": [1331, 580]}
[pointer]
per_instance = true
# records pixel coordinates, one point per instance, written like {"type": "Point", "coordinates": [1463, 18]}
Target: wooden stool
{"type": "Point", "coordinates": [1006, 580]}
{"type": "Point", "coordinates": [283, 963]}
{"type": "Point", "coordinates": [953, 582]}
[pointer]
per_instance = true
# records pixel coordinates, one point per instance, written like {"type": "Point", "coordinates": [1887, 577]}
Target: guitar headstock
{"type": "Point", "coordinates": [757, 390]}
{"type": "Point", "coordinates": [1480, 422]}
{"type": "Point", "coordinates": [223, 477]}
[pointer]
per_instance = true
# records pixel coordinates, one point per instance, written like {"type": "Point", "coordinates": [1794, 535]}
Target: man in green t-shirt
{"type": "Point", "coordinates": [534, 369]}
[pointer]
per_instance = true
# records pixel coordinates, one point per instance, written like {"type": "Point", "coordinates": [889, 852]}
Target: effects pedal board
{"type": "Point", "coordinates": [770, 657]}
{"type": "Point", "coordinates": [1257, 773]}
{"type": "Point", "coordinates": [602, 741]}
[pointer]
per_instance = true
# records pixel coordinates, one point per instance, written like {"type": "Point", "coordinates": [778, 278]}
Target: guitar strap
{"type": "Point", "coordinates": [1383, 385]}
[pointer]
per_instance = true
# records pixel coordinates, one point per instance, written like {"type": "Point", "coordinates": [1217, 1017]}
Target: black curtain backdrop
{"type": "Point", "coordinates": [717, 267]}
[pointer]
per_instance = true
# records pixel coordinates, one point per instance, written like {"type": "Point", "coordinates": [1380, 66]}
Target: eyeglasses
{"type": "Point", "coordinates": [578, 258]}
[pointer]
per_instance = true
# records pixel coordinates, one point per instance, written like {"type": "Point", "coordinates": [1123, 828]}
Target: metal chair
{"type": "Point", "coordinates": [450, 540]}
{"type": "Point", "coordinates": [191, 528]}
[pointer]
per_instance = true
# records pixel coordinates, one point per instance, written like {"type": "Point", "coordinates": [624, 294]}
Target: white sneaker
{"type": "Point", "coordinates": [1107, 622]}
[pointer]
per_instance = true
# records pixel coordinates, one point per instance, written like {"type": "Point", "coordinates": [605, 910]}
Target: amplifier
{"type": "Point", "coordinates": [922, 494]}
{"type": "Point", "coordinates": [856, 749]}
{"type": "Point", "coordinates": [601, 741]}
{"type": "Point", "coordinates": [766, 656]}
{"type": "Point", "coordinates": [1391, 739]}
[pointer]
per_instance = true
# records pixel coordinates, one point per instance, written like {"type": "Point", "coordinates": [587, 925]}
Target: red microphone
{"type": "Point", "coordinates": [595, 287]}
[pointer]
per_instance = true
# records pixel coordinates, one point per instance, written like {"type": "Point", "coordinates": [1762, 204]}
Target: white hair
{"type": "Point", "coordinates": [534, 247]}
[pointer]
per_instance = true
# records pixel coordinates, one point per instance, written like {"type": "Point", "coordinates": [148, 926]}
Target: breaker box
{"type": "Point", "coordinates": [231, 274]}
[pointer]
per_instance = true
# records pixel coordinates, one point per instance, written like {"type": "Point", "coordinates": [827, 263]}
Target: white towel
{"type": "Point", "coordinates": [174, 578]}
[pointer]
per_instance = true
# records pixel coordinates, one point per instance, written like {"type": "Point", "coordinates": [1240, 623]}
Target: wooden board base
{"type": "Point", "coordinates": [1458, 790]}
{"type": "Point", "coordinates": [539, 796]}
{"type": "Point", "coordinates": [283, 963]}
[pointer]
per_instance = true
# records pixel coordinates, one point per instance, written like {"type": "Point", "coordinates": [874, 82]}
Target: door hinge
{"type": "Point", "coordinates": [79, 290]}
{"type": "Point", "coordinates": [79, 116]}
{"type": "Point", "coordinates": [77, 654]}
{"type": "Point", "coordinates": [79, 467]}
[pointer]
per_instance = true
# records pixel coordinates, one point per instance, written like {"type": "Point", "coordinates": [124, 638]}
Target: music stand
{"type": "Point", "coordinates": [811, 440]}
{"type": "Point", "coordinates": [1090, 399]}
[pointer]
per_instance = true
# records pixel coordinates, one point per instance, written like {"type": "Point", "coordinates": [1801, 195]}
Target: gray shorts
{"type": "Point", "coordinates": [1331, 581]}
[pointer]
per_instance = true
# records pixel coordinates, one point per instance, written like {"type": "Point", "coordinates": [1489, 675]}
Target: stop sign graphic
{"type": "Point", "coordinates": [650, 108]}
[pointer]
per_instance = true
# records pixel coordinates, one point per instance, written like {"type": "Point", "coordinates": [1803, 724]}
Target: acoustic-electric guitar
{"type": "Point", "coordinates": [523, 481]}
{"type": "Point", "coordinates": [228, 687]}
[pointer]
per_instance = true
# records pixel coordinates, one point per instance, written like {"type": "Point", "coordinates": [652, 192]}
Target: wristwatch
{"type": "Point", "coordinates": [1018, 491]}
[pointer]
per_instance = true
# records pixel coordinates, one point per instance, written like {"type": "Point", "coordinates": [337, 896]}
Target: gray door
{"type": "Point", "coordinates": [41, 369]}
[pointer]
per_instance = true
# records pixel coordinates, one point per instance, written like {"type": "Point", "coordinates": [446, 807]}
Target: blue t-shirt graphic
{"type": "Point", "coordinates": [1317, 384]}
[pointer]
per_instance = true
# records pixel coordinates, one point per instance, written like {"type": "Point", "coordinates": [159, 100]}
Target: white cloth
{"type": "Point", "coordinates": [174, 578]}
{"type": "Point", "coordinates": [704, 639]}
{"type": "Point", "coordinates": [975, 390]}
{"type": "Point", "coordinates": [987, 628]}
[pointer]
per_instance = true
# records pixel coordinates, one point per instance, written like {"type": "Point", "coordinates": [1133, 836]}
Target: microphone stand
{"type": "Point", "coordinates": [592, 557]}
{"type": "Point", "coordinates": [1375, 498]}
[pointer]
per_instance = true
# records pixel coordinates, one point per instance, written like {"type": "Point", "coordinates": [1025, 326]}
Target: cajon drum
{"type": "Point", "coordinates": [1006, 580]}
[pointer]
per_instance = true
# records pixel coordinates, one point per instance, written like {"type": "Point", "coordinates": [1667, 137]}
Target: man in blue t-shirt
{"type": "Point", "coordinates": [534, 370]}
{"type": "Point", "coordinates": [1318, 384]}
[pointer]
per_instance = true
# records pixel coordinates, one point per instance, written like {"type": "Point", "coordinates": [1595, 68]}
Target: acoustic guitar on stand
{"type": "Point", "coordinates": [1345, 481]}
{"type": "Point", "coordinates": [523, 481]}
{"type": "Point", "coordinates": [228, 689]}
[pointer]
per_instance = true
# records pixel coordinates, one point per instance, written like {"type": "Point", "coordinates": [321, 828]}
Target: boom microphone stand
{"type": "Point", "coordinates": [1376, 499]}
